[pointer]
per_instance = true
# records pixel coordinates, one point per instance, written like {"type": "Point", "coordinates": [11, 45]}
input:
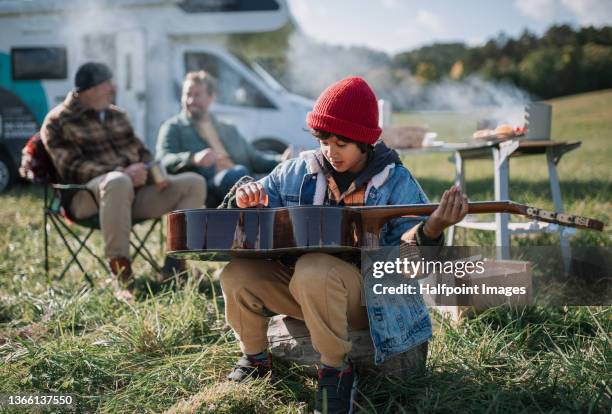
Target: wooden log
{"type": "Point", "coordinates": [289, 339]}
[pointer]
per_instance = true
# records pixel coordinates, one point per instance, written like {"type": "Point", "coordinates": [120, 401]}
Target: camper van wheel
{"type": "Point", "coordinates": [7, 174]}
{"type": "Point", "coordinates": [272, 145]}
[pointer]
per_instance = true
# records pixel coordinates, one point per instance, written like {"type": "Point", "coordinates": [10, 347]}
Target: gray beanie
{"type": "Point", "coordinates": [91, 74]}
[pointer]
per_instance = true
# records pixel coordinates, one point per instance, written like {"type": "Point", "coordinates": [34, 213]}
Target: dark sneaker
{"type": "Point", "coordinates": [172, 268]}
{"type": "Point", "coordinates": [336, 391]}
{"type": "Point", "coordinates": [249, 368]}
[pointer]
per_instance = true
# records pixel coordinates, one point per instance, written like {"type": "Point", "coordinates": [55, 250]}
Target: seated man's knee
{"type": "Point", "coordinates": [191, 179]}
{"type": "Point", "coordinates": [239, 171]}
{"type": "Point", "coordinates": [190, 183]}
{"type": "Point", "coordinates": [225, 179]}
{"type": "Point", "coordinates": [197, 179]}
{"type": "Point", "coordinates": [116, 181]}
{"type": "Point", "coordinates": [198, 183]}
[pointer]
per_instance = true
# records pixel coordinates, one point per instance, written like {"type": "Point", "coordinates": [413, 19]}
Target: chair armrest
{"type": "Point", "coordinates": [74, 188]}
{"type": "Point", "coordinates": [70, 187]}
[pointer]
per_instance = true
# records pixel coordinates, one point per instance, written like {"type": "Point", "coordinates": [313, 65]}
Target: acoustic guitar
{"type": "Point", "coordinates": [218, 234]}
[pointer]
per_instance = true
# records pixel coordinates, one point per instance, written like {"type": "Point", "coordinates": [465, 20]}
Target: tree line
{"type": "Point", "coordinates": [562, 61]}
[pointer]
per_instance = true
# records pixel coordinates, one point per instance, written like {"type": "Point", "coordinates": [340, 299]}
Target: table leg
{"type": "Point", "coordinates": [460, 172]}
{"type": "Point", "coordinates": [501, 175]}
{"type": "Point", "coordinates": [555, 189]}
{"type": "Point", "coordinates": [460, 182]}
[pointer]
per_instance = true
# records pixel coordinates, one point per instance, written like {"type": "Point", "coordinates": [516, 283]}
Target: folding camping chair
{"type": "Point", "coordinates": [58, 214]}
{"type": "Point", "coordinates": [37, 167]}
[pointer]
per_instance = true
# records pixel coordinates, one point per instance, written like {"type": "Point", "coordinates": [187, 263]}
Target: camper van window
{"type": "Point", "coordinates": [208, 6]}
{"type": "Point", "coordinates": [29, 63]}
{"type": "Point", "coordinates": [233, 88]}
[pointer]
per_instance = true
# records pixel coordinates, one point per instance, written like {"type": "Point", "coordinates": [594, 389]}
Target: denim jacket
{"type": "Point", "coordinates": [397, 324]}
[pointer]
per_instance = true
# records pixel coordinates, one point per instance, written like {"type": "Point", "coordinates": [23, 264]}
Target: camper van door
{"type": "Point", "coordinates": [131, 78]}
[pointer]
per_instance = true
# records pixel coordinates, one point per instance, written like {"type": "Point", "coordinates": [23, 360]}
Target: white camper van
{"type": "Point", "coordinates": [150, 45]}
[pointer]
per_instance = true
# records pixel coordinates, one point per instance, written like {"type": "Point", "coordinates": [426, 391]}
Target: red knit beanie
{"type": "Point", "coordinates": [348, 108]}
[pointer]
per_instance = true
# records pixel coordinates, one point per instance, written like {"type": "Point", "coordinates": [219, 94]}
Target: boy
{"type": "Point", "coordinates": [322, 289]}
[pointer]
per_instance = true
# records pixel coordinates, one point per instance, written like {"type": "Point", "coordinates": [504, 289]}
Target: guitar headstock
{"type": "Point", "coordinates": [564, 219]}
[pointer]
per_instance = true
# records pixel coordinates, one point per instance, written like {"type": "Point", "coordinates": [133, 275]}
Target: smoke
{"type": "Point", "coordinates": [313, 66]}
{"type": "Point", "coordinates": [502, 102]}
{"type": "Point", "coordinates": [87, 25]}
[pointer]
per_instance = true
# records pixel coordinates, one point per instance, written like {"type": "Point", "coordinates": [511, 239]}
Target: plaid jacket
{"type": "Point", "coordinates": [83, 146]}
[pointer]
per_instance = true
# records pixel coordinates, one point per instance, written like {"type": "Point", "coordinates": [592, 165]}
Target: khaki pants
{"type": "Point", "coordinates": [119, 203]}
{"type": "Point", "coordinates": [324, 292]}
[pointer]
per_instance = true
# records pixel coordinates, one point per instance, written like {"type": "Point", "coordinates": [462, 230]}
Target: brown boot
{"type": "Point", "coordinates": [123, 282]}
{"type": "Point", "coordinates": [122, 269]}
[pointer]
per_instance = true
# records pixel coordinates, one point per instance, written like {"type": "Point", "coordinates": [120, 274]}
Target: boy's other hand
{"type": "Point", "coordinates": [452, 209]}
{"type": "Point", "coordinates": [251, 195]}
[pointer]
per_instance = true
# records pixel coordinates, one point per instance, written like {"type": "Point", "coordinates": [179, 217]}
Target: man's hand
{"type": "Point", "coordinates": [452, 209]}
{"type": "Point", "coordinates": [161, 185]}
{"type": "Point", "coordinates": [205, 158]}
{"type": "Point", "coordinates": [138, 173]}
{"type": "Point", "coordinates": [251, 195]}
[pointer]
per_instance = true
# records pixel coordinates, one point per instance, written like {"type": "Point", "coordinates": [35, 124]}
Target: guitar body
{"type": "Point", "coordinates": [217, 234]}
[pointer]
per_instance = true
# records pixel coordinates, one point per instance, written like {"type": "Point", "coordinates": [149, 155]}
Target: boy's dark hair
{"type": "Point", "coordinates": [323, 135]}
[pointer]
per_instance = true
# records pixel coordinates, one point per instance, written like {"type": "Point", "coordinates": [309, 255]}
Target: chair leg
{"type": "Point", "coordinates": [46, 236]}
{"type": "Point", "coordinates": [73, 259]}
{"type": "Point", "coordinates": [141, 249]}
{"type": "Point", "coordinates": [161, 236]}
{"type": "Point", "coordinates": [57, 223]}
{"type": "Point", "coordinates": [74, 235]}
{"type": "Point", "coordinates": [146, 255]}
{"type": "Point", "coordinates": [64, 230]}
{"type": "Point", "coordinates": [144, 239]}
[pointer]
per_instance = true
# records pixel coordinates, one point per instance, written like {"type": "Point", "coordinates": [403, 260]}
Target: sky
{"type": "Point", "coordinates": [399, 25]}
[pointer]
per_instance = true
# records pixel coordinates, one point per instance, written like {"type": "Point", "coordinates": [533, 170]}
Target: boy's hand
{"type": "Point", "coordinates": [251, 195]}
{"type": "Point", "coordinates": [452, 209]}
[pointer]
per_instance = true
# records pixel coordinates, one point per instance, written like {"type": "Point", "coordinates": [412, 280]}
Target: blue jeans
{"type": "Point", "coordinates": [223, 181]}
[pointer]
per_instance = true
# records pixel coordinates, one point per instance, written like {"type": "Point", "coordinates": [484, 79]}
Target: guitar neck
{"type": "Point", "coordinates": [381, 214]}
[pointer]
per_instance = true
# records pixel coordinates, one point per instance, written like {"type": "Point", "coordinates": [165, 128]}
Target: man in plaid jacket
{"type": "Point", "coordinates": [92, 142]}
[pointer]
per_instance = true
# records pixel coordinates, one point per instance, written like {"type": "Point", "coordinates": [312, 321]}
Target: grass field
{"type": "Point", "coordinates": [170, 349]}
